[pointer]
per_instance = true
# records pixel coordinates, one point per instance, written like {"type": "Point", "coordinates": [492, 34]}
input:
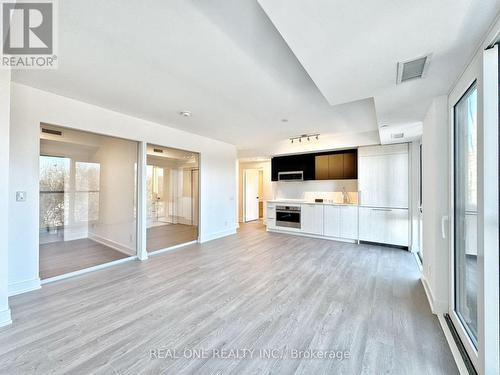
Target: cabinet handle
{"type": "Point", "coordinates": [381, 209]}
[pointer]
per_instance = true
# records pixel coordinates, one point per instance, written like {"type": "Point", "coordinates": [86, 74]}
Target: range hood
{"type": "Point", "coordinates": [291, 176]}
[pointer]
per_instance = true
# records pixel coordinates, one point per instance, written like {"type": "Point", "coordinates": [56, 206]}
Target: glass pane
{"type": "Point", "coordinates": [54, 173]}
{"type": "Point", "coordinates": [87, 201]}
{"type": "Point", "coordinates": [87, 176]}
{"type": "Point", "coordinates": [54, 179]}
{"type": "Point", "coordinates": [466, 211]}
{"type": "Point", "coordinates": [172, 199]}
{"type": "Point", "coordinates": [86, 206]}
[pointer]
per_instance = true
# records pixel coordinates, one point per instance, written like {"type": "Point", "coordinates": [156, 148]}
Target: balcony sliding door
{"type": "Point", "coordinates": [465, 214]}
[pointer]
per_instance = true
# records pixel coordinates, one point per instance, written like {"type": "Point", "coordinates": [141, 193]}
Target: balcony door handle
{"type": "Point", "coordinates": [444, 219]}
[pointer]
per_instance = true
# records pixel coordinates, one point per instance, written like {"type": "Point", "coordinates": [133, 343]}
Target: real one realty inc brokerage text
{"type": "Point", "coordinates": [188, 353]}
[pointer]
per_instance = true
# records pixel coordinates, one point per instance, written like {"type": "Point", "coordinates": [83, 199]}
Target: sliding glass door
{"type": "Point", "coordinates": [465, 267]}
{"type": "Point", "coordinates": [172, 184]}
{"type": "Point", "coordinates": [87, 200]}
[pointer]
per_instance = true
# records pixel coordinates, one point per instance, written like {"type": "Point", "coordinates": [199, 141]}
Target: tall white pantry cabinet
{"type": "Point", "coordinates": [383, 184]}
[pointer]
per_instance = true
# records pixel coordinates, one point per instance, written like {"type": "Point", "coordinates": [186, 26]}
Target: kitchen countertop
{"type": "Point", "coordinates": [303, 201]}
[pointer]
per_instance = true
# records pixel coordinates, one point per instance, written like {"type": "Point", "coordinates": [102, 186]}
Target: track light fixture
{"type": "Point", "coordinates": [304, 136]}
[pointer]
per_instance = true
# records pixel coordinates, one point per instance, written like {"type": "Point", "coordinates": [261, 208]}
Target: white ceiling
{"type": "Point", "coordinates": [351, 48]}
{"type": "Point", "coordinates": [227, 64]}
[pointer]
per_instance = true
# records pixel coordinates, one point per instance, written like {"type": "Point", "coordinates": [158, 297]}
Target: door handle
{"type": "Point", "coordinates": [444, 218]}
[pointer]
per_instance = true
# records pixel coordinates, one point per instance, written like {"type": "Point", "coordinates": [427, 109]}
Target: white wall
{"type": "Point", "coordinates": [4, 193]}
{"type": "Point", "coordinates": [31, 106]}
{"type": "Point", "coordinates": [435, 172]}
{"type": "Point", "coordinates": [307, 189]}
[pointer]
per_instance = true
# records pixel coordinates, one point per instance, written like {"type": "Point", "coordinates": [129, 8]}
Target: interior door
{"type": "Point", "coordinates": [251, 194]}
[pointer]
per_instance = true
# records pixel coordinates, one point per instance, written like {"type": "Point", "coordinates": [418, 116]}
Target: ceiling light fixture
{"type": "Point", "coordinates": [185, 113]}
{"type": "Point", "coordinates": [304, 136]}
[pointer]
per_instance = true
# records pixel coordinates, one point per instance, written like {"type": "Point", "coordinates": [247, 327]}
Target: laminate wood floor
{"type": "Point", "coordinates": [163, 236]}
{"type": "Point", "coordinates": [254, 290]}
{"type": "Point", "coordinates": [59, 258]}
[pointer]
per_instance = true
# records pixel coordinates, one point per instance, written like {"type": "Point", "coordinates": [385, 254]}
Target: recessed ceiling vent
{"type": "Point", "coordinates": [412, 69]}
{"type": "Point", "coordinates": [158, 150]}
{"type": "Point", "coordinates": [397, 135]}
{"type": "Point", "coordinates": [51, 131]}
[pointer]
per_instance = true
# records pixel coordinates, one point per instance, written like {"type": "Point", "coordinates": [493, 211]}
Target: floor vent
{"type": "Point", "coordinates": [412, 69]}
{"type": "Point", "coordinates": [52, 132]}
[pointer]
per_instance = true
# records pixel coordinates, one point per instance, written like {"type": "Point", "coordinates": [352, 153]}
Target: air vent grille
{"type": "Point", "coordinates": [159, 150]}
{"type": "Point", "coordinates": [397, 135]}
{"type": "Point", "coordinates": [412, 69]}
{"type": "Point", "coordinates": [51, 131]}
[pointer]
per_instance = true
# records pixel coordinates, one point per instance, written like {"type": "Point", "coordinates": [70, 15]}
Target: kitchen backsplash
{"type": "Point", "coordinates": [310, 190]}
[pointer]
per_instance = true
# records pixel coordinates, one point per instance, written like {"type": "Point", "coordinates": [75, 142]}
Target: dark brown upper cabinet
{"type": "Point", "coordinates": [350, 165]}
{"type": "Point", "coordinates": [336, 166]}
{"type": "Point", "coordinates": [322, 167]}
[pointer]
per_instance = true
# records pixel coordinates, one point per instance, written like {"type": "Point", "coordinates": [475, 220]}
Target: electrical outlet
{"type": "Point", "coordinates": [20, 196]}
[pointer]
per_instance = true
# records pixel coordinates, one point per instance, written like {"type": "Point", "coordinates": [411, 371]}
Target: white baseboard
{"type": "Point", "coordinates": [339, 239]}
{"type": "Point", "coordinates": [438, 307]}
{"type": "Point", "coordinates": [5, 318]}
{"type": "Point", "coordinates": [453, 346]}
{"type": "Point", "coordinates": [112, 244]}
{"type": "Point", "coordinates": [24, 286]}
{"type": "Point", "coordinates": [172, 248]}
{"type": "Point", "coordinates": [214, 236]}
{"type": "Point", "coordinates": [87, 270]}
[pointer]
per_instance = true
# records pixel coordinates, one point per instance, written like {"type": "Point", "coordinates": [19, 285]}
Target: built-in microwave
{"type": "Point", "coordinates": [288, 216]}
{"type": "Point", "coordinates": [291, 176]}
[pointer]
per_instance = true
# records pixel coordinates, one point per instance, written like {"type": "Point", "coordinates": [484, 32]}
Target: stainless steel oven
{"type": "Point", "coordinates": [288, 216]}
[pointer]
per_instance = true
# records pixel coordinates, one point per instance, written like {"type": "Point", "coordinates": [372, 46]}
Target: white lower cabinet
{"type": "Point", "coordinates": [341, 222]}
{"type": "Point", "coordinates": [271, 216]}
{"type": "Point", "coordinates": [349, 222]}
{"type": "Point", "coordinates": [337, 221]}
{"type": "Point", "coordinates": [384, 225]}
{"type": "Point", "coordinates": [311, 218]}
{"type": "Point", "coordinates": [332, 221]}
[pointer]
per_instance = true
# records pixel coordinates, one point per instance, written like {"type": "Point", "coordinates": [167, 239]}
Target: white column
{"type": "Point", "coordinates": [5, 317]}
{"type": "Point", "coordinates": [142, 253]}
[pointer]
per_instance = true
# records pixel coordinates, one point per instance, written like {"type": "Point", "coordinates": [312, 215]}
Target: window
{"type": "Point", "coordinates": [87, 179]}
{"type": "Point", "coordinates": [54, 180]}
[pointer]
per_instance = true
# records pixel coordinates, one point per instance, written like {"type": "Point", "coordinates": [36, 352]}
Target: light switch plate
{"type": "Point", "coordinates": [20, 196]}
